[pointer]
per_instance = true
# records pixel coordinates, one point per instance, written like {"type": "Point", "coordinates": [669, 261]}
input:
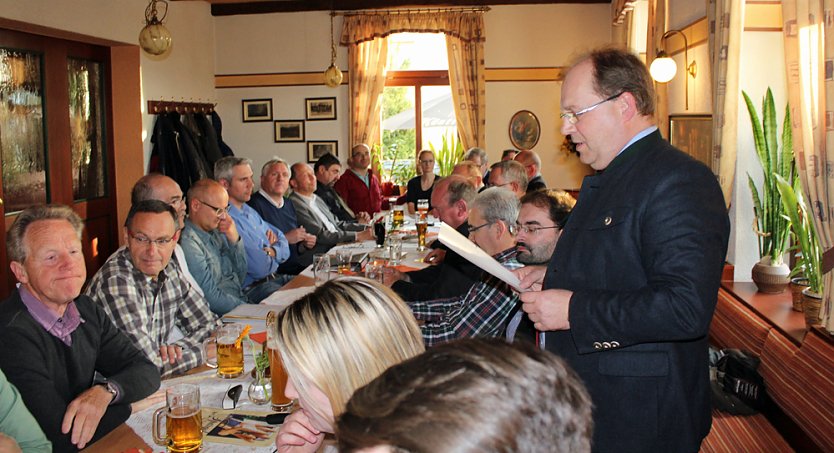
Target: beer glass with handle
{"type": "Point", "coordinates": [183, 420]}
{"type": "Point", "coordinates": [229, 362]}
{"type": "Point", "coordinates": [280, 402]}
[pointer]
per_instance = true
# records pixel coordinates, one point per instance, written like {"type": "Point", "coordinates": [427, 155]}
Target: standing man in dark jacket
{"type": "Point", "coordinates": [76, 371]}
{"type": "Point", "coordinates": [631, 289]}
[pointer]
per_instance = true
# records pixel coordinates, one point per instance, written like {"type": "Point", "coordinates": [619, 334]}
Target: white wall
{"type": "Point", "coordinates": [298, 42]}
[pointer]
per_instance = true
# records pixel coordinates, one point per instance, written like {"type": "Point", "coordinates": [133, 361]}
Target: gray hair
{"type": "Point", "coordinates": [143, 189]}
{"type": "Point", "coordinates": [274, 161]}
{"type": "Point", "coordinates": [512, 171]}
{"type": "Point", "coordinates": [458, 188]}
{"type": "Point", "coordinates": [15, 248]}
{"type": "Point", "coordinates": [472, 152]}
{"type": "Point", "coordinates": [497, 204]}
{"type": "Point", "coordinates": [223, 167]}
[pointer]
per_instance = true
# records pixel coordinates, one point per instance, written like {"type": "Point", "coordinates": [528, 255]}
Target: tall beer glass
{"type": "Point", "coordinates": [280, 402]}
{"type": "Point", "coordinates": [183, 420]}
{"type": "Point", "coordinates": [422, 229]}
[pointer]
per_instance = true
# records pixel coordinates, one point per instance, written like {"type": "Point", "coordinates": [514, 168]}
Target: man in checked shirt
{"type": "Point", "coordinates": [146, 296]}
{"type": "Point", "coordinates": [485, 309]}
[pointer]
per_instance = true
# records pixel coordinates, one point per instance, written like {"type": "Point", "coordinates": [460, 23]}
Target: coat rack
{"type": "Point", "coordinates": [163, 106]}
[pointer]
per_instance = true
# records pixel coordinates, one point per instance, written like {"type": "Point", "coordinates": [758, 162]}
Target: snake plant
{"type": "Point", "coordinates": [772, 225]}
{"type": "Point", "coordinates": [802, 224]}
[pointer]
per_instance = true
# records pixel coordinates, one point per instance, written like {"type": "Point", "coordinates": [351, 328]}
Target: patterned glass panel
{"type": "Point", "coordinates": [86, 112]}
{"type": "Point", "coordinates": [22, 145]}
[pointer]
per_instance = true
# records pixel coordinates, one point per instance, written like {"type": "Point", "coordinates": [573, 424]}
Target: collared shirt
{"type": "Point", "coordinates": [218, 266]}
{"type": "Point", "coordinates": [148, 310]}
{"type": "Point", "coordinates": [366, 178]}
{"type": "Point", "coordinates": [314, 208]}
{"type": "Point", "coordinates": [252, 229]}
{"type": "Point", "coordinates": [60, 327]}
{"type": "Point", "coordinates": [481, 312]}
{"type": "Point", "coordinates": [639, 135]}
{"type": "Point", "coordinates": [278, 204]}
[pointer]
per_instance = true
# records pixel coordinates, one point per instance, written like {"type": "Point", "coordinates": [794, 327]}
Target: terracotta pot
{"type": "Point", "coordinates": [798, 284]}
{"type": "Point", "coordinates": [770, 278]}
{"type": "Point", "coordinates": [811, 305]}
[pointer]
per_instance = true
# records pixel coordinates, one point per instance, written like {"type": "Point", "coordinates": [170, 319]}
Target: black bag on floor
{"type": "Point", "coordinates": [737, 386]}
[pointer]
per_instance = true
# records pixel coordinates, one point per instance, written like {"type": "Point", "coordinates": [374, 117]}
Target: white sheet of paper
{"type": "Point", "coordinates": [475, 255]}
{"type": "Point", "coordinates": [285, 297]}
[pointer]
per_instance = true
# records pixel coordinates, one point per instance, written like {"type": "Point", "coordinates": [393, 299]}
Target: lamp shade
{"type": "Point", "coordinates": [155, 39]}
{"type": "Point", "coordinates": [333, 76]}
{"type": "Point", "coordinates": [663, 69]}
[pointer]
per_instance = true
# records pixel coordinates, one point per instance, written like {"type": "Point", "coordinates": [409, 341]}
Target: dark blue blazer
{"type": "Point", "coordinates": [643, 252]}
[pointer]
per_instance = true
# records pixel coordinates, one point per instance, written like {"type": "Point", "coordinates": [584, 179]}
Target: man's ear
{"type": "Point", "coordinates": [19, 272]}
{"type": "Point", "coordinates": [176, 236]}
{"type": "Point", "coordinates": [292, 183]}
{"type": "Point", "coordinates": [224, 183]}
{"type": "Point", "coordinates": [126, 236]}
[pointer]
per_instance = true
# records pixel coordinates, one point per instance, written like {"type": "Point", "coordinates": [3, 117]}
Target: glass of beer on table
{"type": "Point", "coordinates": [229, 361]}
{"type": "Point", "coordinates": [422, 229]}
{"type": "Point", "coordinates": [422, 209]}
{"type": "Point", "coordinates": [280, 402]}
{"type": "Point", "coordinates": [183, 419]}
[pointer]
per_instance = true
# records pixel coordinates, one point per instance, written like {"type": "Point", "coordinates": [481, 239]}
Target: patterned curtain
{"type": "Point", "coordinates": [466, 77]}
{"type": "Point", "coordinates": [726, 24]}
{"type": "Point", "coordinates": [622, 31]}
{"type": "Point", "coordinates": [656, 28]}
{"type": "Point", "coordinates": [366, 66]}
{"type": "Point", "coordinates": [464, 39]}
{"type": "Point", "coordinates": [809, 48]}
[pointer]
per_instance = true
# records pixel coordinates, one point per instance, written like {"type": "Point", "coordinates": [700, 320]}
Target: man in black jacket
{"type": "Point", "coordinates": [76, 371]}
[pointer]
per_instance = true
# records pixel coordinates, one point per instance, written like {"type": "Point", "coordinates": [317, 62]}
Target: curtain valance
{"type": "Point", "coordinates": [467, 26]}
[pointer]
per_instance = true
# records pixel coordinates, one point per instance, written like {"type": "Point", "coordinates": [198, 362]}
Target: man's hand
{"type": "Point", "coordinates": [170, 353]}
{"type": "Point", "coordinates": [227, 226]}
{"type": "Point", "coordinates": [271, 237]}
{"type": "Point", "coordinates": [84, 413]}
{"type": "Point", "coordinates": [435, 257]}
{"type": "Point", "coordinates": [532, 277]}
{"type": "Point", "coordinates": [8, 444]}
{"type": "Point", "coordinates": [155, 399]}
{"type": "Point", "coordinates": [297, 235]}
{"type": "Point", "coordinates": [363, 217]}
{"type": "Point", "coordinates": [310, 241]}
{"type": "Point", "coordinates": [547, 309]}
{"type": "Point", "coordinates": [298, 434]}
{"type": "Point", "coordinates": [365, 235]}
{"type": "Point", "coordinates": [391, 275]}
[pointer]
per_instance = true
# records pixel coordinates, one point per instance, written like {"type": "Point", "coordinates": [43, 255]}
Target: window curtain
{"type": "Point", "coordinates": [656, 28]}
{"type": "Point", "coordinates": [726, 24]}
{"type": "Point", "coordinates": [809, 48]}
{"type": "Point", "coordinates": [464, 31]}
{"type": "Point", "coordinates": [367, 67]}
{"type": "Point", "coordinates": [622, 22]}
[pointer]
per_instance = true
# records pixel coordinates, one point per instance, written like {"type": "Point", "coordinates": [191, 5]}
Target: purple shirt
{"type": "Point", "coordinates": [60, 327]}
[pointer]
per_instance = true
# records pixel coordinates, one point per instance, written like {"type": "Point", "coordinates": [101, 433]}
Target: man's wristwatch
{"type": "Point", "coordinates": [111, 389]}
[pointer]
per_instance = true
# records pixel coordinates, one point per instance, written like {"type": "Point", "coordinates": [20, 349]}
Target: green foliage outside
{"type": "Point", "coordinates": [449, 154]}
{"type": "Point", "coordinates": [397, 154]}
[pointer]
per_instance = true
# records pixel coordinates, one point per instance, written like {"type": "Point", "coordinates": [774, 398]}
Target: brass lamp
{"type": "Point", "coordinates": [332, 75]}
{"type": "Point", "coordinates": [663, 68]}
{"type": "Point", "coordinates": [154, 38]}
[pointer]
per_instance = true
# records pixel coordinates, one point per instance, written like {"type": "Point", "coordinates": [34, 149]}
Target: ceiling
{"type": "Point", "coordinates": [232, 7]}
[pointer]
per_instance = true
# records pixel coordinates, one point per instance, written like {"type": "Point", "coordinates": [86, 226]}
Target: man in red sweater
{"type": "Point", "coordinates": [358, 186]}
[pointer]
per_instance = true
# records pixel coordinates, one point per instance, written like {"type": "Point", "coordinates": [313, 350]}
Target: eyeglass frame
{"type": "Point", "coordinates": [573, 117]}
{"type": "Point", "coordinates": [512, 228]}
{"type": "Point", "coordinates": [472, 230]}
{"type": "Point", "coordinates": [426, 161]}
{"type": "Point", "coordinates": [145, 241]}
{"type": "Point", "coordinates": [217, 211]}
{"type": "Point", "coordinates": [534, 230]}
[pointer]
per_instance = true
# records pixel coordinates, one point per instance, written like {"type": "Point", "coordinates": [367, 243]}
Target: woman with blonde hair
{"type": "Point", "coordinates": [333, 341]}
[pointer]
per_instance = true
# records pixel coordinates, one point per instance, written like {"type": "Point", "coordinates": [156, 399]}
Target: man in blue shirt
{"type": "Point", "coordinates": [280, 211]}
{"type": "Point", "coordinates": [213, 247]}
{"type": "Point", "coordinates": [266, 246]}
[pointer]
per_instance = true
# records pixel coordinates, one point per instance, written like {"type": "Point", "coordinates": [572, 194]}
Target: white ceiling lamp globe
{"type": "Point", "coordinates": [663, 68]}
{"type": "Point", "coordinates": [155, 39]}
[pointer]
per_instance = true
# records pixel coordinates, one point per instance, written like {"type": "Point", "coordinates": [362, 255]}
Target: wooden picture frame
{"type": "Point", "coordinates": [256, 110]}
{"type": "Point", "coordinates": [289, 131]}
{"type": "Point", "coordinates": [524, 130]}
{"type": "Point", "coordinates": [692, 134]}
{"type": "Point", "coordinates": [316, 149]}
{"type": "Point", "coordinates": [320, 109]}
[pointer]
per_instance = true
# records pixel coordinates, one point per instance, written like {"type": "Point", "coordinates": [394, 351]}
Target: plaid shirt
{"type": "Point", "coordinates": [148, 310]}
{"type": "Point", "coordinates": [482, 312]}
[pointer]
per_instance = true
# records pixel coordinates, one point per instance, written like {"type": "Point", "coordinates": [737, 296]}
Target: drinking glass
{"type": "Point", "coordinates": [395, 250]}
{"type": "Point", "coordinates": [321, 268]}
{"type": "Point", "coordinates": [422, 209]}
{"type": "Point", "coordinates": [183, 420]}
{"type": "Point", "coordinates": [280, 402]}
{"type": "Point", "coordinates": [343, 261]}
{"type": "Point", "coordinates": [422, 229]}
{"type": "Point", "coordinates": [229, 361]}
{"type": "Point", "coordinates": [379, 232]}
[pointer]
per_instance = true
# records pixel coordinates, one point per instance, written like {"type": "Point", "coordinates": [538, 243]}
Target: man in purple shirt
{"type": "Point", "coordinates": [77, 372]}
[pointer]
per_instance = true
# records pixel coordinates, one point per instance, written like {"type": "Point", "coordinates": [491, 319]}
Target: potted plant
{"type": "Point", "coordinates": [807, 242]}
{"type": "Point", "coordinates": [772, 226]}
{"type": "Point", "coordinates": [449, 154]}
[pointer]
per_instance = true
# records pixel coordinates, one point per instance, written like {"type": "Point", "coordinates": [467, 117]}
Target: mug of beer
{"type": "Point", "coordinates": [229, 362]}
{"type": "Point", "coordinates": [183, 420]}
{"type": "Point", "coordinates": [280, 402]}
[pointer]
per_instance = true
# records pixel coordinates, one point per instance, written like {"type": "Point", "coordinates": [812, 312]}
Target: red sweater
{"type": "Point", "coordinates": [358, 196]}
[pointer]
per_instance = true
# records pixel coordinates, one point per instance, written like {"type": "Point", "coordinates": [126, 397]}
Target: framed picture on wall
{"type": "Point", "coordinates": [289, 131]}
{"type": "Point", "coordinates": [692, 134]}
{"type": "Point", "coordinates": [255, 110]}
{"type": "Point", "coordinates": [319, 148]}
{"type": "Point", "coordinates": [321, 109]}
{"type": "Point", "coordinates": [525, 130]}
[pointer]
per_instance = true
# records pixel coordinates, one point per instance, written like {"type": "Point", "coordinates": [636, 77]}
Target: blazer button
{"type": "Point", "coordinates": [597, 345]}
{"type": "Point", "coordinates": [606, 345]}
{"type": "Point", "coordinates": [607, 220]}
{"type": "Point", "coordinates": [615, 344]}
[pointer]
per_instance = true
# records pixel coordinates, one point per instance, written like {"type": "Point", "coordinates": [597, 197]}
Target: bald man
{"type": "Point", "coordinates": [533, 165]}
{"type": "Point", "coordinates": [358, 185]}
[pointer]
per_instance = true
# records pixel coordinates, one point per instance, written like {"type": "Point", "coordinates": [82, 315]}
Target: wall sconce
{"type": "Point", "coordinates": [332, 75]}
{"type": "Point", "coordinates": [154, 38]}
{"type": "Point", "coordinates": [663, 68]}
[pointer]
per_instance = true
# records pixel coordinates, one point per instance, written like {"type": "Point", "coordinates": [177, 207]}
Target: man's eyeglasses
{"type": "Point", "coordinates": [472, 230]}
{"type": "Point", "coordinates": [529, 229]}
{"type": "Point", "coordinates": [217, 211]}
{"type": "Point", "coordinates": [573, 117]}
{"type": "Point", "coordinates": [146, 241]}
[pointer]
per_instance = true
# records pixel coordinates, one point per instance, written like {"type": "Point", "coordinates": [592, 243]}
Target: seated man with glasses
{"type": "Point", "coordinates": [485, 309]}
{"type": "Point", "coordinates": [533, 166]}
{"type": "Point", "coordinates": [143, 291]}
{"type": "Point", "coordinates": [213, 247]}
{"type": "Point", "coordinates": [510, 175]}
